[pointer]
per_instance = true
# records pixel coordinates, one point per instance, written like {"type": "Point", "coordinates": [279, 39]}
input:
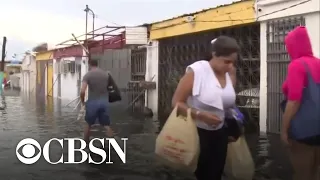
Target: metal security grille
{"type": "Point", "coordinates": [277, 63]}
{"type": "Point", "coordinates": [138, 72]}
{"type": "Point", "coordinates": [176, 53]}
{"type": "Point", "coordinates": [138, 64]}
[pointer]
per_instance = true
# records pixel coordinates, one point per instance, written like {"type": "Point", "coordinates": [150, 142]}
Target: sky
{"type": "Point", "coordinates": [27, 23]}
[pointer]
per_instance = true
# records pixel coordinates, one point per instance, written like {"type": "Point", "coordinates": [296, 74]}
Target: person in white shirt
{"type": "Point", "coordinates": [208, 88]}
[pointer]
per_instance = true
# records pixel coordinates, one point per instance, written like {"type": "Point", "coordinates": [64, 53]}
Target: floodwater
{"type": "Point", "coordinates": [23, 117]}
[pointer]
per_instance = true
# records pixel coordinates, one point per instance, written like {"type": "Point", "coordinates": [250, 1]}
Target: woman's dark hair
{"type": "Point", "coordinates": [223, 46]}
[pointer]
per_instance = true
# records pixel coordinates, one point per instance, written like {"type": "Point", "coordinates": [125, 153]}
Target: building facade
{"type": "Point", "coordinates": [14, 69]}
{"type": "Point", "coordinates": [69, 67]}
{"type": "Point", "coordinates": [178, 42]}
{"type": "Point", "coordinates": [277, 18]}
{"type": "Point", "coordinates": [61, 70]}
{"type": "Point", "coordinates": [120, 56]}
{"type": "Point", "coordinates": [29, 74]}
{"type": "Point", "coordinates": [44, 79]}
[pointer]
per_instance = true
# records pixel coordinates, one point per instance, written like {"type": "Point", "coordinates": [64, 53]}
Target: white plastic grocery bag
{"type": "Point", "coordinates": [177, 144]}
{"type": "Point", "coordinates": [239, 163]}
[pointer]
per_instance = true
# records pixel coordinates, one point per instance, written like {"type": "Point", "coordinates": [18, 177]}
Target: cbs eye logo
{"type": "Point", "coordinates": [28, 148]}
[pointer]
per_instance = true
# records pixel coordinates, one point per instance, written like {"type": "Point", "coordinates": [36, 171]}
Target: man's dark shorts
{"type": "Point", "coordinates": [97, 109]}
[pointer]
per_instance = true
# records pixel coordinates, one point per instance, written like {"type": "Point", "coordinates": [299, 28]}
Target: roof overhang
{"type": "Point", "coordinates": [110, 37]}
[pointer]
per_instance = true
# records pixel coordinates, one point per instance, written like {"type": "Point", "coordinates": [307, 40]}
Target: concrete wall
{"type": "Point", "coordinates": [276, 9]}
{"type": "Point", "coordinates": [29, 73]}
{"type": "Point", "coordinates": [66, 83]}
{"type": "Point", "coordinates": [56, 80]}
{"type": "Point", "coordinates": [152, 63]}
{"type": "Point", "coordinates": [118, 63]}
{"type": "Point", "coordinates": [273, 9]}
{"type": "Point", "coordinates": [15, 80]}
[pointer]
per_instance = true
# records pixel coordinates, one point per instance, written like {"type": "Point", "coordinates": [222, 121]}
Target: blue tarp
{"type": "Point", "coordinates": [15, 62]}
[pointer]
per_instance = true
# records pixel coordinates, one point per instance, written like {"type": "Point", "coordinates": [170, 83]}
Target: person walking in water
{"type": "Point", "coordinates": [207, 88]}
{"type": "Point", "coordinates": [304, 68]}
{"type": "Point", "coordinates": [97, 104]}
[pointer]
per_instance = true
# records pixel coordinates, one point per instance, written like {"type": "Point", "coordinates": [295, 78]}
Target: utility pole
{"type": "Point", "coordinates": [86, 35]}
{"type": "Point", "coordinates": [4, 44]}
{"type": "Point", "coordinates": [87, 10]}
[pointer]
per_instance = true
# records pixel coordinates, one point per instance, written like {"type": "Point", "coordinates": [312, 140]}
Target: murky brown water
{"type": "Point", "coordinates": [23, 117]}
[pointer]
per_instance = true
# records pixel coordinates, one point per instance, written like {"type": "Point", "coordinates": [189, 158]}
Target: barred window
{"type": "Point", "coordinates": [278, 29]}
{"type": "Point", "coordinates": [65, 66]}
{"type": "Point", "coordinates": [72, 66]}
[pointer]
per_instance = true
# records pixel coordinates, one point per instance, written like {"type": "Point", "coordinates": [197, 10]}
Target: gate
{"type": "Point", "coordinates": [176, 53]}
{"type": "Point", "coordinates": [128, 69]}
{"type": "Point", "coordinates": [138, 64]}
{"type": "Point", "coordinates": [117, 62]}
{"type": "Point", "coordinates": [138, 71]}
{"type": "Point", "coordinates": [277, 64]}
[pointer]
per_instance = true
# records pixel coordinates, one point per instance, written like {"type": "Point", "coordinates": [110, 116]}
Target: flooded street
{"type": "Point", "coordinates": [24, 117]}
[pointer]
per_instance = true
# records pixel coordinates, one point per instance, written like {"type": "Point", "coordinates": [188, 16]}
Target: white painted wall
{"type": "Point", "coordinates": [15, 80]}
{"type": "Point", "coordinates": [276, 9]}
{"type": "Point", "coordinates": [25, 81]}
{"type": "Point", "coordinates": [55, 76]}
{"type": "Point", "coordinates": [56, 71]}
{"type": "Point", "coordinates": [263, 78]}
{"type": "Point", "coordinates": [69, 88]}
{"type": "Point", "coordinates": [152, 70]}
{"type": "Point", "coordinates": [29, 73]}
{"type": "Point", "coordinates": [273, 9]}
{"type": "Point", "coordinates": [313, 25]}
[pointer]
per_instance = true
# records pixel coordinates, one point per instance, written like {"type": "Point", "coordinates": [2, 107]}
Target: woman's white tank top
{"type": "Point", "coordinates": [208, 95]}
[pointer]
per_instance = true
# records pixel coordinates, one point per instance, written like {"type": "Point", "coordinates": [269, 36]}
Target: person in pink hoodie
{"type": "Point", "coordinates": [305, 158]}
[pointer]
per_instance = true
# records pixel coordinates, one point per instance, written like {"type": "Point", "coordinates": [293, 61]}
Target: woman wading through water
{"type": "Point", "coordinates": [303, 77]}
{"type": "Point", "coordinates": [207, 88]}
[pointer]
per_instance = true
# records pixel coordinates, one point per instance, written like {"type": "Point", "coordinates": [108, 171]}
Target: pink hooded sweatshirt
{"type": "Point", "coordinates": [299, 48]}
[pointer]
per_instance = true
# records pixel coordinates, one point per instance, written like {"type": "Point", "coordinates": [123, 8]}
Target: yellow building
{"type": "Point", "coordinates": [44, 82]}
{"type": "Point", "coordinates": [182, 40]}
{"type": "Point", "coordinates": [229, 15]}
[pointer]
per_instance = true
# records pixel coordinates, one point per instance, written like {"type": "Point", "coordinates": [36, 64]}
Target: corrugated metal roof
{"type": "Point", "coordinates": [202, 11]}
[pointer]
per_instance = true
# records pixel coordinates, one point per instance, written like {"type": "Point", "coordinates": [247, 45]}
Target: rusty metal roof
{"type": "Point", "coordinates": [197, 12]}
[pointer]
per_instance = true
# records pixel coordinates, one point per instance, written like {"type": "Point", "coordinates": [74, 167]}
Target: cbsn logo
{"type": "Point", "coordinates": [28, 150]}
